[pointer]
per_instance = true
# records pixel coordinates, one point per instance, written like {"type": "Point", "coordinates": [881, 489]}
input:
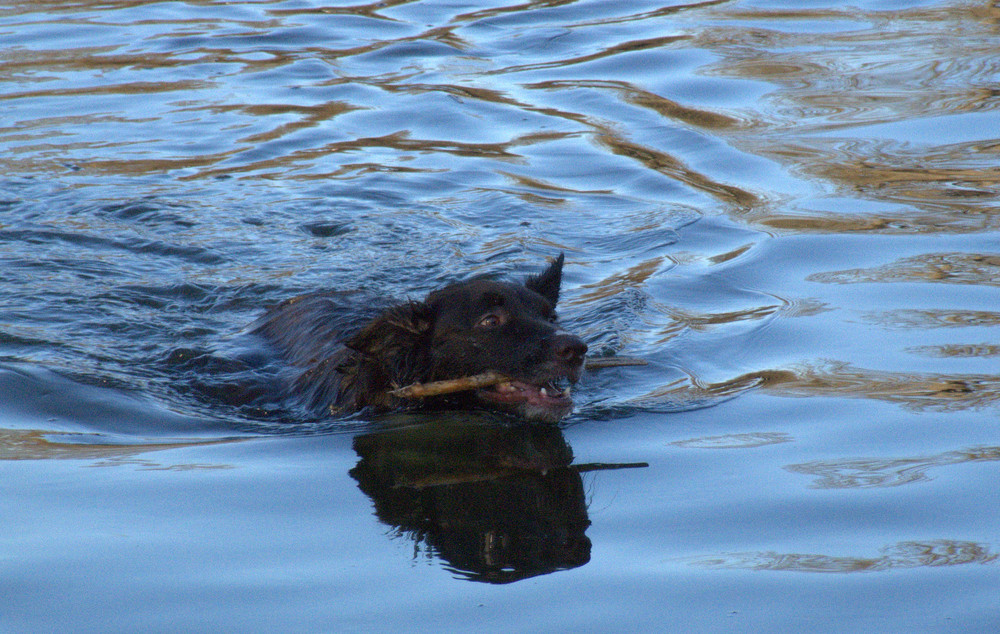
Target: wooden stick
{"type": "Point", "coordinates": [607, 466]}
{"type": "Point", "coordinates": [436, 388]}
{"type": "Point", "coordinates": [476, 381]}
{"type": "Point", "coordinates": [597, 363]}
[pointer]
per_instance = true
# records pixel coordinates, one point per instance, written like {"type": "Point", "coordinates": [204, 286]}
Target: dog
{"type": "Point", "coordinates": [464, 329]}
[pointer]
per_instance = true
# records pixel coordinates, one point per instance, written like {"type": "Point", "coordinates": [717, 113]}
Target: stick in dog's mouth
{"type": "Point", "coordinates": [437, 388]}
{"type": "Point", "coordinates": [502, 384]}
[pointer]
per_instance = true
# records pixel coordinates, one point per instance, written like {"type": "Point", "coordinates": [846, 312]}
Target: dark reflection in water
{"type": "Point", "coordinates": [931, 554]}
{"type": "Point", "coordinates": [497, 502]}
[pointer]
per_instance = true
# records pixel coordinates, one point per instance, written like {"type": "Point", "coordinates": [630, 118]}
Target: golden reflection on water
{"type": "Point", "coordinates": [667, 165]}
{"type": "Point", "coordinates": [916, 391]}
{"type": "Point", "coordinates": [664, 107]}
{"type": "Point", "coordinates": [625, 47]}
{"type": "Point", "coordinates": [970, 350]}
{"type": "Point", "coordinates": [537, 183]}
{"type": "Point", "coordinates": [371, 9]}
{"type": "Point", "coordinates": [819, 90]}
{"type": "Point", "coordinates": [911, 318]}
{"type": "Point", "coordinates": [279, 166]}
{"type": "Point", "coordinates": [945, 268]}
{"type": "Point", "coordinates": [735, 441]}
{"type": "Point", "coordinates": [903, 555]}
{"type": "Point", "coordinates": [682, 320]}
{"type": "Point", "coordinates": [31, 444]}
{"type": "Point", "coordinates": [270, 120]}
{"type": "Point", "coordinates": [950, 188]}
{"type": "Point", "coordinates": [311, 116]}
{"type": "Point", "coordinates": [866, 473]}
{"type": "Point", "coordinates": [880, 68]}
{"type": "Point", "coordinates": [701, 321]}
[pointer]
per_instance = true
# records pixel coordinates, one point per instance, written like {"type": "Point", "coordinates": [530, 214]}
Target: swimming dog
{"type": "Point", "coordinates": [467, 328]}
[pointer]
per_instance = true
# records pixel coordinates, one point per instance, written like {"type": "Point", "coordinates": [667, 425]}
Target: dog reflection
{"type": "Point", "coordinates": [498, 503]}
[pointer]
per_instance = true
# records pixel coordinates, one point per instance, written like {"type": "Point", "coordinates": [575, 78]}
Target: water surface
{"type": "Point", "coordinates": [789, 209]}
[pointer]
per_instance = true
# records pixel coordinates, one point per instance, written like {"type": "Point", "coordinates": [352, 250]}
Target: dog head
{"type": "Point", "coordinates": [481, 326]}
{"type": "Point", "coordinates": [484, 325]}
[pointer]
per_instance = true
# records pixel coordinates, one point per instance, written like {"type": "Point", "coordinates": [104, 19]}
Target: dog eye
{"type": "Point", "coordinates": [489, 321]}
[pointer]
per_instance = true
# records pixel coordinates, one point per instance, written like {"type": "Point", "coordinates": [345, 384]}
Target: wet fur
{"type": "Point", "coordinates": [463, 329]}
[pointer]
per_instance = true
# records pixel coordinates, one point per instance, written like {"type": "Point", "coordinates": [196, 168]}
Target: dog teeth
{"type": "Point", "coordinates": [552, 392]}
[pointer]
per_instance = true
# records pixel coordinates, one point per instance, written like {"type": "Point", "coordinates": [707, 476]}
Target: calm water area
{"type": "Point", "coordinates": [791, 210]}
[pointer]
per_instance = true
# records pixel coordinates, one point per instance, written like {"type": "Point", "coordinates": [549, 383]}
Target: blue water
{"type": "Point", "coordinates": [788, 209]}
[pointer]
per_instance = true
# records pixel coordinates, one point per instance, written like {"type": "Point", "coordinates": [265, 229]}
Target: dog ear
{"type": "Point", "coordinates": [547, 284]}
{"type": "Point", "coordinates": [400, 327]}
{"type": "Point", "coordinates": [391, 351]}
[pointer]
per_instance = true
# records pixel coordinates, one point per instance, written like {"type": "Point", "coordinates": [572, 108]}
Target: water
{"type": "Point", "coordinates": [788, 209]}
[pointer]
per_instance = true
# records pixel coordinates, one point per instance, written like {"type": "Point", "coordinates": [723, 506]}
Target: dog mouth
{"type": "Point", "coordinates": [548, 400]}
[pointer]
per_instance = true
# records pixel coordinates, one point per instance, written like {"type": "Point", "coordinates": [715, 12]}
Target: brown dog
{"type": "Point", "coordinates": [463, 329]}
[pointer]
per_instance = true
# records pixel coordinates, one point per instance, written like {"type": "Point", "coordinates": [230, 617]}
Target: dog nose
{"type": "Point", "coordinates": [569, 348]}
